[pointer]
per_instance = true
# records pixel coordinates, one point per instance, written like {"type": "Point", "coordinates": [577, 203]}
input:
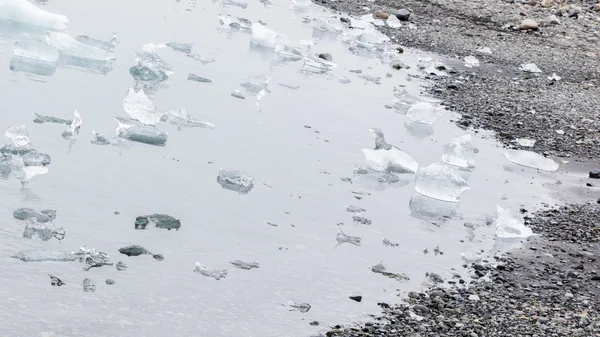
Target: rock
{"type": "Point", "coordinates": [356, 298]}
{"type": "Point", "coordinates": [595, 278]}
{"type": "Point", "coordinates": [400, 50]}
{"type": "Point", "coordinates": [546, 3]}
{"type": "Point", "coordinates": [421, 309]}
{"type": "Point", "coordinates": [381, 15]}
{"type": "Point", "coordinates": [133, 250]}
{"type": "Point", "coordinates": [595, 174]}
{"type": "Point", "coordinates": [326, 57]}
{"type": "Point", "coordinates": [552, 20]}
{"type": "Point", "coordinates": [597, 7]}
{"type": "Point", "coordinates": [402, 14]}
{"type": "Point", "coordinates": [55, 281]}
{"type": "Point", "coordinates": [528, 24]}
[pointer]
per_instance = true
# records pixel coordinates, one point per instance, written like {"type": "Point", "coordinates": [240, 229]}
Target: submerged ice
{"type": "Point", "coordinates": [440, 182]}
{"type": "Point", "coordinates": [34, 56]}
{"type": "Point", "coordinates": [235, 180]}
{"type": "Point", "coordinates": [423, 112]}
{"type": "Point", "coordinates": [138, 106]}
{"type": "Point", "coordinates": [459, 152]}
{"type": "Point", "coordinates": [510, 225]}
{"type": "Point", "coordinates": [531, 159]}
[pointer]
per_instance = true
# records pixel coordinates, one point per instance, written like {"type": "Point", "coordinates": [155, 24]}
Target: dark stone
{"type": "Point", "coordinates": [595, 278]}
{"type": "Point", "coordinates": [314, 323]}
{"type": "Point", "coordinates": [402, 14]}
{"type": "Point", "coordinates": [326, 57]}
{"type": "Point", "coordinates": [345, 20]}
{"type": "Point", "coordinates": [356, 298]}
{"type": "Point", "coordinates": [133, 250]}
{"type": "Point", "coordinates": [55, 281]}
{"type": "Point", "coordinates": [595, 174]}
{"type": "Point", "coordinates": [141, 222]}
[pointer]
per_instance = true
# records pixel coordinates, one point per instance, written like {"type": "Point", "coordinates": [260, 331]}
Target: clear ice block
{"type": "Point", "coordinates": [459, 152]}
{"type": "Point", "coordinates": [440, 182]}
{"type": "Point", "coordinates": [510, 225]}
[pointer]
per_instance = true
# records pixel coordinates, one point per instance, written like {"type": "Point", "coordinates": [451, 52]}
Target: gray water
{"type": "Point", "coordinates": [297, 186]}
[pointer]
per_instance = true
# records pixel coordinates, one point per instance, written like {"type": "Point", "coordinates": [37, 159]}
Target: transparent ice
{"type": "Point", "coordinates": [355, 209]}
{"type": "Point", "coordinates": [89, 285]}
{"type": "Point", "coordinates": [343, 238]}
{"type": "Point", "coordinates": [380, 269]}
{"type": "Point", "coordinates": [109, 46]}
{"type": "Point", "coordinates": [99, 139]}
{"type": "Point", "coordinates": [145, 134]}
{"type": "Point", "coordinates": [180, 47]}
{"type": "Point", "coordinates": [268, 38]}
{"type": "Point", "coordinates": [471, 61]}
{"type": "Point", "coordinates": [370, 37]}
{"type": "Point", "coordinates": [42, 231]}
{"type": "Point", "coordinates": [23, 11]}
{"type": "Point", "coordinates": [29, 213]}
{"type": "Point", "coordinates": [390, 161]}
{"type": "Point", "coordinates": [182, 119]}
{"type": "Point", "coordinates": [530, 68]}
{"type": "Point", "coordinates": [235, 22]}
{"type": "Point", "coordinates": [75, 52]}
{"type": "Point", "coordinates": [302, 307]}
{"type": "Point", "coordinates": [235, 180]}
{"type": "Point", "coordinates": [510, 225]}
{"type": "Point", "coordinates": [525, 142]}
{"type": "Point", "coordinates": [440, 182]}
{"type": "Point", "coordinates": [217, 274]}
{"type": "Point", "coordinates": [393, 22]}
{"type": "Point", "coordinates": [196, 78]}
{"type": "Point", "coordinates": [361, 220]}
{"type": "Point", "coordinates": [531, 159]}
{"type": "Point", "coordinates": [255, 84]}
{"type": "Point", "coordinates": [344, 80]}
{"type": "Point", "coordinates": [317, 65]}
{"type": "Point", "coordinates": [34, 56]}
{"type": "Point", "coordinates": [332, 25]}
{"type": "Point", "coordinates": [44, 256]}
{"type": "Point", "coordinates": [459, 152]}
{"type": "Point", "coordinates": [34, 158]}
{"type": "Point", "coordinates": [18, 136]}
{"type": "Point", "coordinates": [139, 106]}
{"type": "Point", "coordinates": [235, 3]}
{"type": "Point", "coordinates": [73, 129]}
{"type": "Point", "coordinates": [424, 112]}
{"type": "Point", "coordinates": [244, 265]}
{"type": "Point", "coordinates": [40, 119]}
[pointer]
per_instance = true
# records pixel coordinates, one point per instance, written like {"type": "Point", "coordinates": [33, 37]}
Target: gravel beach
{"type": "Point", "coordinates": [550, 286]}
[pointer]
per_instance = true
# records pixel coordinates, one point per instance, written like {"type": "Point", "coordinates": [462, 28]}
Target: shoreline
{"type": "Point", "coordinates": [550, 284]}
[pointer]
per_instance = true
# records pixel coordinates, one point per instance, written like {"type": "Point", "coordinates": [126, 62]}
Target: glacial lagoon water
{"type": "Point", "coordinates": [300, 141]}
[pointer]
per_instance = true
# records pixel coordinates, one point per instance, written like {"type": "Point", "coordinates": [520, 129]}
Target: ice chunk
{"type": "Point", "coordinates": [344, 80]}
{"type": "Point", "coordinates": [355, 209]}
{"type": "Point", "coordinates": [380, 269]}
{"type": "Point", "coordinates": [29, 213]}
{"type": "Point", "coordinates": [196, 78]}
{"type": "Point", "coordinates": [393, 22]}
{"type": "Point", "coordinates": [180, 47]}
{"type": "Point", "coordinates": [510, 225]}
{"type": "Point", "coordinates": [34, 158]}
{"type": "Point", "coordinates": [485, 50]}
{"type": "Point", "coordinates": [237, 94]}
{"type": "Point", "coordinates": [387, 242]}
{"type": "Point", "coordinates": [392, 160]}
{"type": "Point", "coordinates": [245, 265]}
{"type": "Point", "coordinates": [317, 65]}
{"type": "Point", "coordinates": [121, 266]}
{"type": "Point", "coordinates": [424, 207]}
{"type": "Point", "coordinates": [342, 238]}
{"type": "Point", "coordinates": [150, 67]}
{"type": "Point", "coordinates": [143, 134]}
{"type": "Point", "coordinates": [471, 61]}
{"type": "Point", "coordinates": [332, 25]}
{"type": "Point", "coordinates": [268, 38]}
{"type": "Point", "coordinates": [530, 68]}
{"type": "Point", "coordinates": [235, 3]}
{"type": "Point", "coordinates": [217, 274]}
{"type": "Point", "coordinates": [109, 46]}
{"type": "Point", "coordinates": [44, 256]}
{"type": "Point", "coordinates": [369, 78]}
{"type": "Point", "coordinates": [23, 11]}
{"type": "Point", "coordinates": [49, 119]}
{"type": "Point", "coordinates": [424, 113]}
{"type": "Point", "coordinates": [440, 182]}
{"type": "Point", "coordinates": [403, 100]}
{"type": "Point", "coordinates": [99, 139]}
{"type": "Point", "coordinates": [302, 307]}
{"type": "Point", "coordinates": [77, 54]}
{"type": "Point", "coordinates": [73, 129]}
{"type": "Point", "coordinates": [380, 143]}
{"type": "Point", "coordinates": [19, 138]}
{"type": "Point", "coordinates": [361, 220]}
{"type": "Point", "coordinates": [34, 56]}
{"type": "Point", "coordinates": [163, 221]}
{"type": "Point", "coordinates": [181, 118]}
{"type": "Point", "coordinates": [139, 106]}
{"type": "Point", "coordinates": [302, 3]}
{"type": "Point", "coordinates": [255, 84]}
{"type": "Point", "coordinates": [202, 58]}
{"type": "Point", "coordinates": [525, 142]}
{"type": "Point", "coordinates": [371, 37]}
{"type": "Point", "coordinates": [531, 159]}
{"type": "Point", "coordinates": [289, 86]}
{"type": "Point", "coordinates": [89, 285]}
{"type": "Point", "coordinates": [459, 152]}
{"type": "Point", "coordinates": [235, 180]}
{"type": "Point", "coordinates": [43, 231]}
{"type": "Point", "coordinates": [235, 22]}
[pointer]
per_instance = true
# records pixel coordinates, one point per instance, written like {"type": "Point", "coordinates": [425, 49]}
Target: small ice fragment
{"type": "Point", "coordinates": [196, 78]}
{"type": "Point", "coordinates": [99, 139]}
{"type": "Point", "coordinates": [23, 11]}
{"type": "Point", "coordinates": [55, 281]}
{"type": "Point", "coordinates": [371, 37]}
{"type": "Point", "coordinates": [181, 118]}
{"type": "Point", "coordinates": [121, 266]}
{"type": "Point", "coordinates": [510, 225]}
{"type": "Point", "coordinates": [73, 129]}
{"type": "Point", "coordinates": [139, 106]}
{"type": "Point", "coordinates": [317, 65]}
{"type": "Point", "coordinates": [268, 38]}
{"type": "Point", "coordinates": [342, 238]}
{"type": "Point", "coordinates": [29, 213]}
{"type": "Point", "coordinates": [255, 84]}
{"type": "Point", "coordinates": [359, 219]}
{"type": "Point", "coordinates": [202, 58]}
{"type": "Point", "coordinates": [423, 113]}
{"type": "Point", "coordinates": [235, 22]}
{"type": "Point", "coordinates": [78, 53]}
{"type": "Point", "coordinates": [388, 178]}
{"type": "Point", "coordinates": [380, 143]}
{"type": "Point", "coordinates": [459, 152]}
{"type": "Point", "coordinates": [109, 46]}
{"type": "Point", "coordinates": [531, 159]}
{"type": "Point", "coordinates": [485, 50]}
{"type": "Point", "coordinates": [530, 68]}
{"type": "Point", "coordinates": [560, 132]}
{"type": "Point", "coordinates": [387, 242]}
{"type": "Point", "coordinates": [89, 285]}
{"type": "Point", "coordinates": [134, 250]}
{"type": "Point", "coordinates": [34, 56]}
{"type": "Point", "coordinates": [380, 269]}
{"type": "Point", "coordinates": [344, 80]}
{"type": "Point", "coordinates": [217, 274]}
{"type": "Point", "coordinates": [235, 180]}
{"type": "Point", "coordinates": [302, 3]}
{"type": "Point", "coordinates": [150, 66]}
{"type": "Point", "coordinates": [471, 61]}
{"type": "Point", "coordinates": [110, 281]}
{"type": "Point", "coordinates": [355, 209]}
{"type": "Point", "coordinates": [19, 137]}
{"type": "Point", "coordinates": [440, 182]}
{"type": "Point", "coordinates": [244, 265]}
{"type": "Point", "coordinates": [42, 231]}
{"type": "Point", "coordinates": [49, 119]}
{"type": "Point", "coordinates": [289, 86]}
{"type": "Point", "coordinates": [235, 3]}
{"type": "Point", "coordinates": [91, 257]}
{"type": "Point", "coordinates": [369, 78]}
{"type": "Point", "coordinates": [525, 142]}
{"type": "Point", "coordinates": [554, 77]}
{"type": "Point", "coordinates": [391, 161]}
{"type": "Point", "coordinates": [302, 307]}
{"type": "Point", "coordinates": [34, 158]}
{"type": "Point", "coordinates": [180, 47]}
{"type": "Point", "coordinates": [237, 94]}
{"type": "Point", "coordinates": [44, 256]}
{"type": "Point", "coordinates": [393, 22]}
{"type": "Point", "coordinates": [144, 134]}
{"type": "Point", "coordinates": [332, 25]}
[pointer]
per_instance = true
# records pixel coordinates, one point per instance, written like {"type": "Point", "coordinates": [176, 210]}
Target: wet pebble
{"type": "Point", "coordinates": [402, 14]}
{"type": "Point", "coordinates": [594, 174]}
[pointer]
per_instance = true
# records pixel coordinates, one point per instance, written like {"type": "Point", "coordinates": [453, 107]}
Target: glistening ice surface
{"type": "Point", "coordinates": [295, 123]}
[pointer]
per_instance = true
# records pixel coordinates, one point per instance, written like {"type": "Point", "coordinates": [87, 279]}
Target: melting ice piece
{"type": "Point", "coordinates": [135, 250]}
{"type": "Point", "coordinates": [424, 113]}
{"type": "Point", "coordinates": [49, 119]}
{"type": "Point", "coordinates": [471, 61]}
{"type": "Point", "coordinates": [510, 225]}
{"type": "Point", "coordinates": [530, 68]}
{"type": "Point", "coordinates": [44, 256]}
{"type": "Point", "coordinates": [19, 138]}
{"type": "Point", "coordinates": [23, 11]}
{"type": "Point", "coordinates": [217, 274]}
{"type": "Point", "coordinates": [196, 78]}
{"type": "Point", "coordinates": [255, 84]}
{"type": "Point", "coordinates": [380, 143]}
{"type": "Point", "coordinates": [268, 38]}
{"type": "Point", "coordinates": [317, 65]}
{"type": "Point", "coordinates": [164, 221]}
{"type": "Point", "coordinates": [387, 242]}
{"type": "Point", "coordinates": [344, 80]}
{"type": "Point", "coordinates": [235, 22]}
{"type": "Point", "coordinates": [34, 158]}
{"type": "Point", "coordinates": [403, 100]}
{"type": "Point", "coordinates": [525, 142]}
{"type": "Point", "coordinates": [29, 213]}
{"type": "Point", "coordinates": [150, 67]}
{"type": "Point", "coordinates": [235, 3]}
{"type": "Point", "coordinates": [393, 22]}
{"type": "Point", "coordinates": [440, 182]}
{"type": "Point", "coordinates": [485, 50]}
{"type": "Point", "coordinates": [355, 209]}
{"type": "Point", "coordinates": [146, 134]}
{"type": "Point", "coordinates": [202, 58]}
{"type": "Point", "coordinates": [245, 265]}
{"type": "Point", "coordinates": [459, 152]}
{"type": "Point", "coordinates": [89, 285]}
{"type": "Point", "coordinates": [78, 54]}
{"type": "Point", "coordinates": [302, 307]}
{"type": "Point", "coordinates": [332, 25]}
{"type": "Point", "coordinates": [182, 119]}
{"type": "Point", "coordinates": [380, 269]}
{"type": "Point", "coordinates": [109, 46]}
{"type": "Point", "coordinates": [43, 231]}
{"type": "Point", "coordinates": [371, 37]}
{"type": "Point", "coordinates": [91, 256]}
{"type": "Point", "coordinates": [342, 238]}
{"type": "Point", "coordinates": [235, 180]}
{"type": "Point", "coordinates": [369, 78]}
{"type": "Point", "coordinates": [424, 207]}
{"type": "Point", "coordinates": [180, 47]}
{"type": "Point", "coordinates": [359, 219]}
{"type": "Point", "coordinates": [139, 106]}
{"type": "Point", "coordinates": [34, 56]}
{"type": "Point", "coordinates": [121, 266]}
{"type": "Point", "coordinates": [392, 160]}
{"type": "Point", "coordinates": [531, 159]}
{"type": "Point", "coordinates": [99, 139]}
{"type": "Point", "coordinates": [237, 94]}
{"type": "Point", "coordinates": [73, 129]}
{"type": "Point", "coordinates": [290, 86]}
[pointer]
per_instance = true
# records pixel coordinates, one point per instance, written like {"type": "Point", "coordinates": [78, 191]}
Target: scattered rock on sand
{"type": "Point", "coordinates": [528, 24]}
{"type": "Point", "coordinates": [402, 14]}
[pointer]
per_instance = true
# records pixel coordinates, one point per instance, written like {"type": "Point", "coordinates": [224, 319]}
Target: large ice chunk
{"type": "Point", "coordinates": [424, 112]}
{"type": "Point", "coordinates": [23, 11]}
{"type": "Point", "coordinates": [531, 159]}
{"type": "Point", "coordinates": [34, 56]}
{"type": "Point", "coordinates": [459, 152]}
{"type": "Point", "coordinates": [80, 55]}
{"type": "Point", "coordinates": [440, 182]}
{"type": "Point", "coordinates": [268, 38]}
{"type": "Point", "coordinates": [109, 46]}
{"type": "Point", "coordinates": [146, 134]}
{"type": "Point", "coordinates": [510, 225]}
{"type": "Point", "coordinates": [390, 161]}
{"type": "Point", "coordinates": [139, 106]}
{"type": "Point", "coordinates": [235, 180]}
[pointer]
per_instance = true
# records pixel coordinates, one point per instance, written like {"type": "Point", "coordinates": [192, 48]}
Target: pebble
{"type": "Point", "coordinates": [528, 24]}
{"type": "Point", "coordinates": [326, 57]}
{"type": "Point", "coordinates": [110, 281]}
{"type": "Point", "coordinates": [356, 298]}
{"type": "Point", "coordinates": [402, 14]}
{"type": "Point", "coordinates": [595, 174]}
{"type": "Point", "coordinates": [381, 15]}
